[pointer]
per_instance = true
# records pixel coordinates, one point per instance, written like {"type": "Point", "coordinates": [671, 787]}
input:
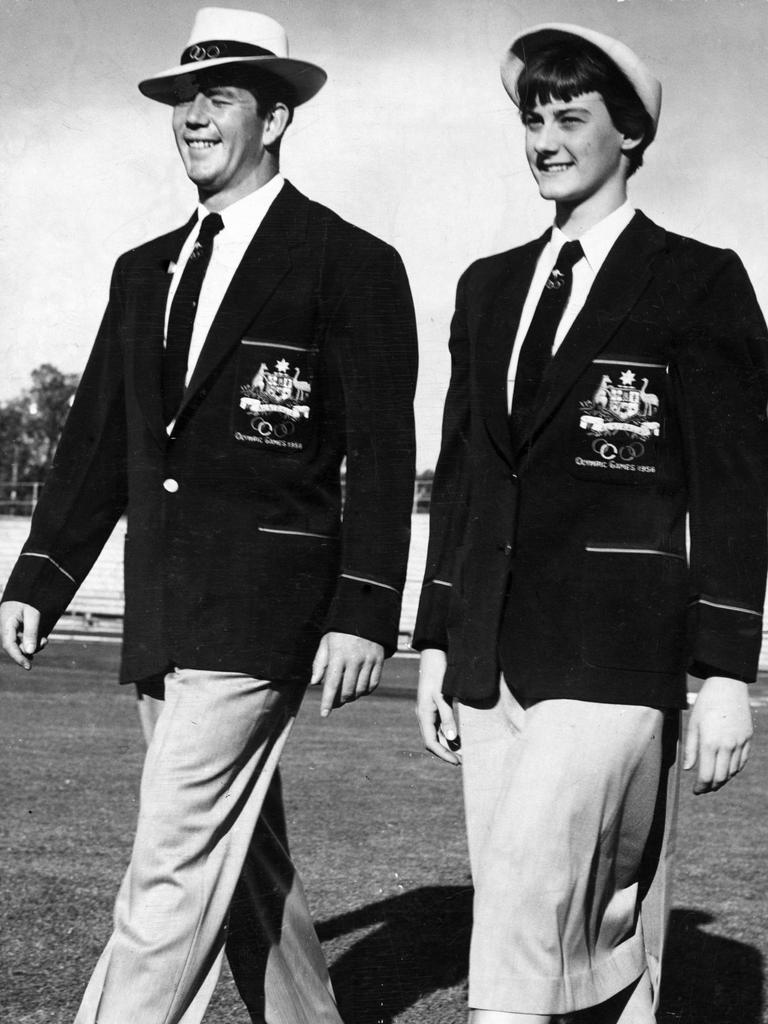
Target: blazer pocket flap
{"type": "Point", "coordinates": [633, 608]}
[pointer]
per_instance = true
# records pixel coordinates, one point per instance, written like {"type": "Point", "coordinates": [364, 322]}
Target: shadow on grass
{"type": "Point", "coordinates": [709, 978]}
{"type": "Point", "coordinates": [420, 944]}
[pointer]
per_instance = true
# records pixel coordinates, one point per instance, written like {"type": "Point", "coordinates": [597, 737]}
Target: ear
{"type": "Point", "coordinates": [277, 120]}
{"type": "Point", "coordinates": [629, 143]}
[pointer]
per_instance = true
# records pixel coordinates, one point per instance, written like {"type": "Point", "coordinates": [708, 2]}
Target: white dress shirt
{"type": "Point", "coordinates": [241, 221]}
{"type": "Point", "coordinates": [596, 243]}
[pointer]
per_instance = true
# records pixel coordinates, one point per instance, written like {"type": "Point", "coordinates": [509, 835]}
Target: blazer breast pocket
{"type": "Point", "coordinates": [618, 417]}
{"type": "Point", "coordinates": [273, 403]}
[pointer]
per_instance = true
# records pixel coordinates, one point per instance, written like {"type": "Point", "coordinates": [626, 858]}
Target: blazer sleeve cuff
{"type": "Point", "coordinates": [431, 629]}
{"type": "Point", "coordinates": [726, 640]}
{"type": "Point", "coordinates": [367, 608]}
{"type": "Point", "coordinates": [702, 671]}
{"type": "Point", "coordinates": [41, 581]}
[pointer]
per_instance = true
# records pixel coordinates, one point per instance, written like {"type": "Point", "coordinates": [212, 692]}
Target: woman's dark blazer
{"type": "Point", "coordinates": [563, 558]}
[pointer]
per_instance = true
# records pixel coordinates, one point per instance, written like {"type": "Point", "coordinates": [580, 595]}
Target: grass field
{"type": "Point", "coordinates": [377, 833]}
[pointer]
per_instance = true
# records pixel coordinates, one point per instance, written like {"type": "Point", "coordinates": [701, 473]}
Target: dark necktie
{"type": "Point", "coordinates": [182, 316]}
{"type": "Point", "coordinates": [536, 350]}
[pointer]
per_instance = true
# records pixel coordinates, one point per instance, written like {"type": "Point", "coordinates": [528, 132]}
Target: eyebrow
{"type": "Point", "coordinates": [216, 89]}
{"type": "Point", "coordinates": [567, 109]}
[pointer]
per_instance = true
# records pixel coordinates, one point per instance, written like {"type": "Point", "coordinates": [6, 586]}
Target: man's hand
{"type": "Point", "coordinates": [434, 712]}
{"type": "Point", "coordinates": [20, 632]}
{"type": "Point", "coordinates": [348, 667]}
{"type": "Point", "coordinates": [719, 733]}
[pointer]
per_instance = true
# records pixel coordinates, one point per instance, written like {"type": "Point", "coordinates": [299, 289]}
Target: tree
{"type": "Point", "coordinates": [31, 423]}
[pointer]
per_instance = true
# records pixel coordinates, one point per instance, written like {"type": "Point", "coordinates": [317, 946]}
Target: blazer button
{"type": "Point", "coordinates": [171, 485]}
{"type": "Point", "coordinates": [506, 548]}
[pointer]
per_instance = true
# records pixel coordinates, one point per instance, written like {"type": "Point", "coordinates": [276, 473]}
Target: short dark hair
{"type": "Point", "coordinates": [268, 91]}
{"type": "Point", "coordinates": [569, 68]}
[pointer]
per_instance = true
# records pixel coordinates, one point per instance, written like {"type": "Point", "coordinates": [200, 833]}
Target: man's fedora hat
{"type": "Point", "coordinates": [524, 46]}
{"type": "Point", "coordinates": [221, 37]}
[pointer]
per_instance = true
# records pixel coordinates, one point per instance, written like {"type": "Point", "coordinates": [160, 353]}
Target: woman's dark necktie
{"type": "Point", "coordinates": [536, 350]}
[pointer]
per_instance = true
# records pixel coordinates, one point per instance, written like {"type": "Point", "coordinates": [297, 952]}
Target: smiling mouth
{"type": "Point", "coordinates": [554, 168]}
{"type": "Point", "coordinates": [201, 143]}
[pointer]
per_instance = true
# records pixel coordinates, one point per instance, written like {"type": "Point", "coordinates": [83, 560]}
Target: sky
{"type": "Point", "coordinates": [413, 138]}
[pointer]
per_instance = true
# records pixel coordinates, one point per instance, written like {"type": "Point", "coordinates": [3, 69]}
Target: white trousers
{"type": "Point", "coordinates": [210, 836]}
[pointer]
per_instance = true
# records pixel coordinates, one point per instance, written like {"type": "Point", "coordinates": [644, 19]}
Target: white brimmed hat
{"type": "Point", "coordinates": [221, 37]}
{"type": "Point", "coordinates": [524, 46]}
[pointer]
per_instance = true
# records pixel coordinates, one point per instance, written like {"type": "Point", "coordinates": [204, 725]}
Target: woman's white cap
{"type": "Point", "coordinates": [524, 46]}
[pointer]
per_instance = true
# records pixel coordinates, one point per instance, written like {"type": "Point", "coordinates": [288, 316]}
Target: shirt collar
{"type": "Point", "coordinates": [243, 217]}
{"type": "Point", "coordinates": [599, 240]}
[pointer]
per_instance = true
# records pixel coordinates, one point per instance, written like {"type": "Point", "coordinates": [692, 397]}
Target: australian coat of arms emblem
{"type": "Point", "coordinates": [273, 404]}
{"type": "Point", "coordinates": [622, 419]}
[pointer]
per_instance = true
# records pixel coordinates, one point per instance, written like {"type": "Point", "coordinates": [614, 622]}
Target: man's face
{"type": "Point", "coordinates": [220, 137]}
{"type": "Point", "coordinates": [574, 150]}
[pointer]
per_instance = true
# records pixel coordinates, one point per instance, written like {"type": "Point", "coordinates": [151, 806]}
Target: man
{"type": "Point", "coordinates": [636, 367]}
{"type": "Point", "coordinates": [241, 359]}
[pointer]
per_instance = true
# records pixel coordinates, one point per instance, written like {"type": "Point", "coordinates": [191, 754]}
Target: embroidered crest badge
{"type": "Point", "coordinates": [274, 401]}
{"type": "Point", "coordinates": [277, 392]}
{"type": "Point", "coordinates": [620, 424]}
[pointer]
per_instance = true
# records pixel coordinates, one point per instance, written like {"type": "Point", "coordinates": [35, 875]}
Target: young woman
{"type": "Point", "coordinates": [608, 386]}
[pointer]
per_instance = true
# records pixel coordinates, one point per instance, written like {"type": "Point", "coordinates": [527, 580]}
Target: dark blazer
{"type": "Point", "coordinates": [563, 559]}
{"type": "Point", "coordinates": [236, 556]}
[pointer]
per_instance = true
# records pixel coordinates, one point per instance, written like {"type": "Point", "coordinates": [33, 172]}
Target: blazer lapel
{"type": "Point", "coordinates": [265, 263]}
{"type": "Point", "coordinates": [495, 349]}
{"type": "Point", "coordinates": [151, 286]}
{"type": "Point", "coordinates": [619, 284]}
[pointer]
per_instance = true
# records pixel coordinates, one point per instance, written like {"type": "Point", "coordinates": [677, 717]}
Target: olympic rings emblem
{"type": "Point", "coordinates": [630, 452]}
{"type": "Point", "coordinates": [604, 449]}
{"type": "Point", "coordinates": [608, 451]}
{"type": "Point", "coordinates": [266, 429]}
{"type": "Point", "coordinates": [198, 52]}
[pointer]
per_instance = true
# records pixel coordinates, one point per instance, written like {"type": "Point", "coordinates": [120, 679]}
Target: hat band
{"type": "Point", "coordinates": [212, 49]}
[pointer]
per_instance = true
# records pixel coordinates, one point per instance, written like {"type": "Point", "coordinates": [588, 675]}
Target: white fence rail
{"type": "Point", "coordinates": [18, 499]}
